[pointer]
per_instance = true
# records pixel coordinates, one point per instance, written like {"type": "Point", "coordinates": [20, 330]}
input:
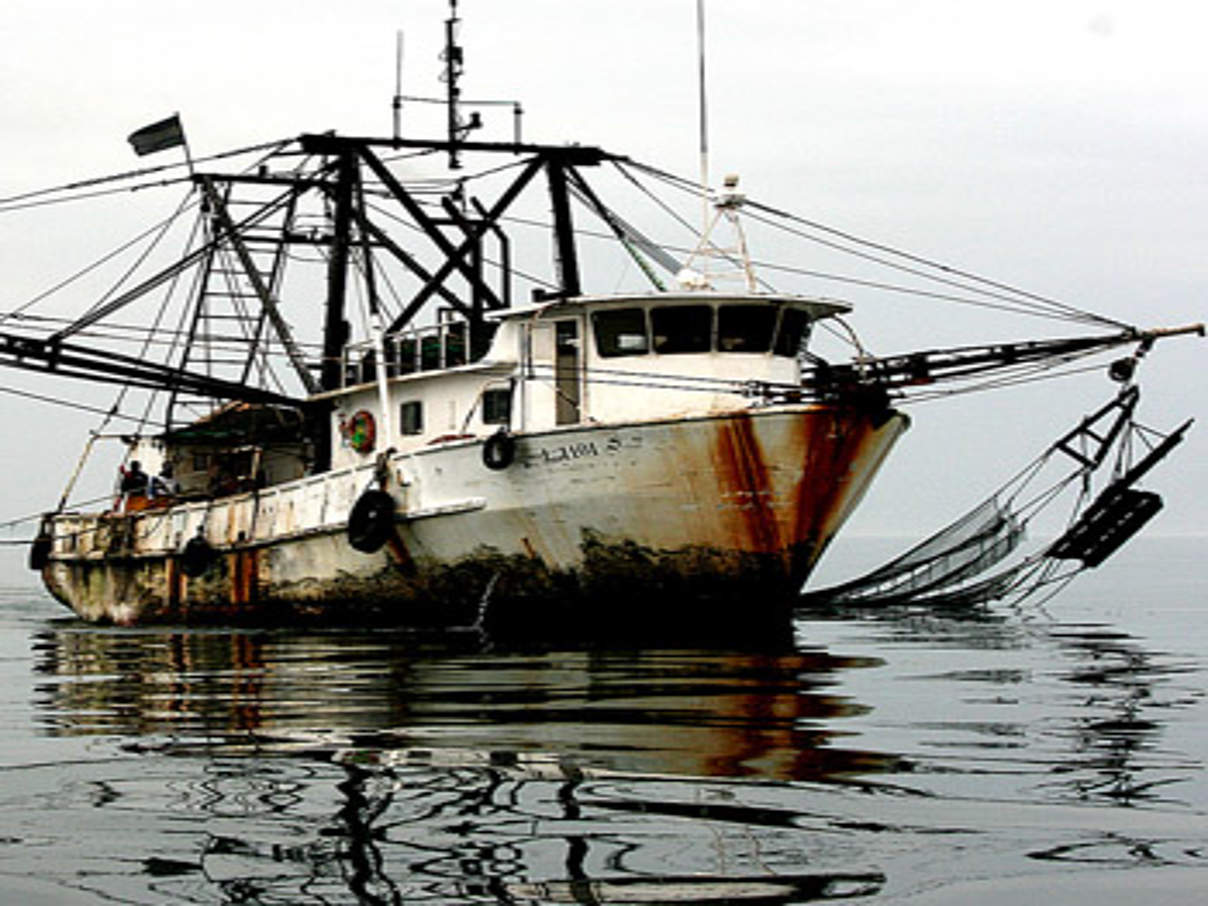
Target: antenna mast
{"type": "Point", "coordinates": [704, 125]}
{"type": "Point", "coordinates": [453, 61]}
{"type": "Point", "coordinates": [397, 105]}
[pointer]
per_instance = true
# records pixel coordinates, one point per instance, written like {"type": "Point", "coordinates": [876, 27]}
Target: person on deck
{"type": "Point", "coordinates": [135, 486]}
{"type": "Point", "coordinates": [134, 479]}
{"type": "Point", "coordinates": [164, 485]}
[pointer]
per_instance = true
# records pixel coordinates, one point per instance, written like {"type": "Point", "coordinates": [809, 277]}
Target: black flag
{"type": "Point", "coordinates": [158, 136]}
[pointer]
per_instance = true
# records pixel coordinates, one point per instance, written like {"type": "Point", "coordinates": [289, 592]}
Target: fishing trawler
{"type": "Point", "coordinates": [458, 455]}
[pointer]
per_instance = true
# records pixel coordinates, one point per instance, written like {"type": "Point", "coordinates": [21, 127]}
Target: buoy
{"type": "Point", "coordinates": [196, 556]}
{"type": "Point", "coordinates": [499, 450]}
{"type": "Point", "coordinates": [371, 521]}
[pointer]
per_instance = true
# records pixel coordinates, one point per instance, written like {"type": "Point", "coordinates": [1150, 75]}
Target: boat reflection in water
{"type": "Point", "coordinates": [686, 712]}
{"type": "Point", "coordinates": [383, 767]}
{"type": "Point", "coordinates": [380, 765]}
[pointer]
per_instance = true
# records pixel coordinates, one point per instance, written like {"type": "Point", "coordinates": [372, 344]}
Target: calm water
{"type": "Point", "coordinates": [1054, 755]}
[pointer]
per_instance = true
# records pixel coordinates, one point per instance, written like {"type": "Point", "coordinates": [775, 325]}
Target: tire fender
{"type": "Point", "coordinates": [371, 521]}
{"type": "Point", "coordinates": [499, 451]}
{"type": "Point", "coordinates": [39, 552]}
{"type": "Point", "coordinates": [196, 556]}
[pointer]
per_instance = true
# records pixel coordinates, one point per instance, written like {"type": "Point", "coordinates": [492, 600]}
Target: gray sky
{"type": "Point", "coordinates": [1056, 145]}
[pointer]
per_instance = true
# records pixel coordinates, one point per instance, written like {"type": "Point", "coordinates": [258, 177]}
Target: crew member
{"type": "Point", "coordinates": [165, 484]}
{"type": "Point", "coordinates": [135, 486]}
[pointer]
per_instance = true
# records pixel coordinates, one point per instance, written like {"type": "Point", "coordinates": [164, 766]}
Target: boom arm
{"type": "Point", "coordinates": [915, 369]}
{"type": "Point", "coordinates": [76, 361]}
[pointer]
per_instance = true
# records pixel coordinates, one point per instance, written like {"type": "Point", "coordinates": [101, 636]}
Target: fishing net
{"type": "Point", "coordinates": [950, 567]}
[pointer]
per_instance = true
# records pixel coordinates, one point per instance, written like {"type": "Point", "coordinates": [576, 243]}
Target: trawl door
{"type": "Point", "coordinates": [567, 372]}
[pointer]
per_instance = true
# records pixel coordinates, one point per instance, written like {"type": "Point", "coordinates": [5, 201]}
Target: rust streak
{"type": "Point", "coordinates": [399, 553]}
{"type": "Point", "coordinates": [828, 455]}
{"type": "Point", "coordinates": [833, 446]}
{"type": "Point", "coordinates": [242, 569]}
{"type": "Point", "coordinates": [744, 479]}
{"type": "Point", "coordinates": [172, 576]}
{"type": "Point", "coordinates": [251, 574]}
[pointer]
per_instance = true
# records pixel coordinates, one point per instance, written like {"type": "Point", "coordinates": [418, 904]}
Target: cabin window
{"type": "Point", "coordinates": [411, 418]}
{"type": "Point", "coordinates": [567, 372]}
{"type": "Point", "coordinates": [621, 332]}
{"type": "Point", "coordinates": [369, 367]}
{"type": "Point", "coordinates": [681, 328]}
{"type": "Point", "coordinates": [390, 348]}
{"type": "Point", "coordinates": [794, 328]}
{"type": "Point", "coordinates": [745, 328]}
{"type": "Point", "coordinates": [497, 407]}
{"type": "Point", "coordinates": [407, 350]}
{"type": "Point", "coordinates": [429, 353]}
{"type": "Point", "coordinates": [455, 344]}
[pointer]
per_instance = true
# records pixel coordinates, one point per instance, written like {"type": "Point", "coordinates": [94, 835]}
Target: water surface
{"type": "Point", "coordinates": [995, 756]}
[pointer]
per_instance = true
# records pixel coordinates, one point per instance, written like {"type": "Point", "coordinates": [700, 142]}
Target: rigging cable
{"type": "Point", "coordinates": [1068, 311]}
{"type": "Point", "coordinates": [71, 404]}
{"type": "Point", "coordinates": [538, 281]}
{"type": "Point", "coordinates": [159, 317]}
{"type": "Point", "coordinates": [273, 148]}
{"type": "Point", "coordinates": [799, 271]}
{"type": "Point", "coordinates": [1013, 305]}
{"type": "Point", "coordinates": [158, 227]}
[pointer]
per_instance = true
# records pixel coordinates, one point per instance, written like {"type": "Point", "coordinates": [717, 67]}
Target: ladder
{"type": "Point", "coordinates": [227, 336]}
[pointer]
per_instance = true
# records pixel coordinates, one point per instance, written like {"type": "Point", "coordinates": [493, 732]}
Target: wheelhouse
{"type": "Point", "coordinates": [584, 360]}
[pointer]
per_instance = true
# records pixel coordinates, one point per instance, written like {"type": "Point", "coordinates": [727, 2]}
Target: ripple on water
{"type": "Point", "coordinates": [904, 757]}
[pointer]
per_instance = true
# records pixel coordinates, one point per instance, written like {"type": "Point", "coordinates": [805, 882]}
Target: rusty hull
{"type": "Point", "coordinates": [795, 489]}
{"type": "Point", "coordinates": [671, 521]}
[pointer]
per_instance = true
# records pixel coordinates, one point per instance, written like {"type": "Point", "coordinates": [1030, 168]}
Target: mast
{"type": "Point", "coordinates": [704, 125]}
{"type": "Point", "coordinates": [565, 254]}
{"type": "Point", "coordinates": [335, 327]}
{"type": "Point", "coordinates": [396, 104]}
{"type": "Point", "coordinates": [453, 60]}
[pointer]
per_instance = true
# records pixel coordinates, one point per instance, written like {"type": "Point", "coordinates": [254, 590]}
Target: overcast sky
{"type": "Point", "coordinates": [1058, 145]}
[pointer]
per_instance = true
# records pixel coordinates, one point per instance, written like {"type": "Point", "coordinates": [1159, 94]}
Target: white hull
{"type": "Point", "coordinates": [751, 496]}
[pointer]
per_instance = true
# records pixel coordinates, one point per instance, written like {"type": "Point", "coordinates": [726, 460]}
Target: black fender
{"type": "Point", "coordinates": [371, 521]}
{"type": "Point", "coordinates": [39, 552]}
{"type": "Point", "coordinates": [499, 451]}
{"type": "Point", "coordinates": [196, 556]}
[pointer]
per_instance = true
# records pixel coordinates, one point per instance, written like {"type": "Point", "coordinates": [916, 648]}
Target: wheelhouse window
{"type": "Point", "coordinates": [497, 406]}
{"type": "Point", "coordinates": [455, 344]}
{"type": "Point", "coordinates": [429, 352]}
{"type": "Point", "coordinates": [681, 328]}
{"type": "Point", "coordinates": [745, 328]}
{"type": "Point", "coordinates": [411, 418]}
{"type": "Point", "coordinates": [407, 349]}
{"type": "Point", "coordinates": [794, 330]}
{"type": "Point", "coordinates": [620, 332]}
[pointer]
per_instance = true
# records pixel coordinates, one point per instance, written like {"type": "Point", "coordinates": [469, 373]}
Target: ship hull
{"type": "Point", "coordinates": [673, 520]}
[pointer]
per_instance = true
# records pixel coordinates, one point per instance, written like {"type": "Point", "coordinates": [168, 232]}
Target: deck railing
{"type": "Point", "coordinates": [311, 505]}
{"type": "Point", "coordinates": [431, 348]}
